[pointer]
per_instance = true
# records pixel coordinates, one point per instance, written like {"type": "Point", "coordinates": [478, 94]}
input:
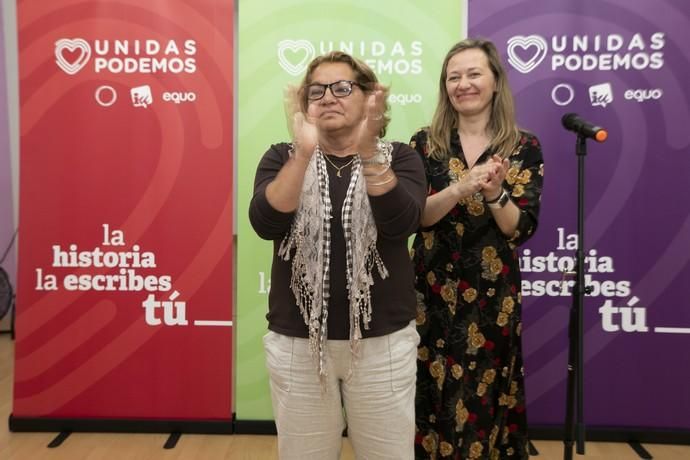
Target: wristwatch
{"type": "Point", "coordinates": [499, 202]}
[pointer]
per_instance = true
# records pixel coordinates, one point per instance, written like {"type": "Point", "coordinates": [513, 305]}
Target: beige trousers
{"type": "Point", "coordinates": [372, 394]}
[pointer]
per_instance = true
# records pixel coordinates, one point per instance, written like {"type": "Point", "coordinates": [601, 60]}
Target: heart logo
{"type": "Point", "coordinates": [295, 55]}
{"type": "Point", "coordinates": [533, 46]}
{"type": "Point", "coordinates": [72, 54]}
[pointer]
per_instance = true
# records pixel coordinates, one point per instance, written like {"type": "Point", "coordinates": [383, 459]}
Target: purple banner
{"type": "Point", "coordinates": [621, 65]}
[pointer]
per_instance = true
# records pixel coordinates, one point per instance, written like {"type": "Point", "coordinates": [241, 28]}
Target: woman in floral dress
{"type": "Point", "coordinates": [485, 180]}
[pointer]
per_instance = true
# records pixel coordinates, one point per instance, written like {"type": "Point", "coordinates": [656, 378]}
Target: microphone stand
{"type": "Point", "coordinates": [575, 429]}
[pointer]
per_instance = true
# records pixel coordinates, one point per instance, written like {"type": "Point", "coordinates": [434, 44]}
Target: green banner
{"type": "Point", "coordinates": [404, 42]}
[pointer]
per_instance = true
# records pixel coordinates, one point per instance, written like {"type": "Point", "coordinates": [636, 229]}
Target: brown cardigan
{"type": "Point", "coordinates": [397, 214]}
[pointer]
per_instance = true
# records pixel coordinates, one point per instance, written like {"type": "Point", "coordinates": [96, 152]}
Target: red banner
{"type": "Point", "coordinates": [124, 305]}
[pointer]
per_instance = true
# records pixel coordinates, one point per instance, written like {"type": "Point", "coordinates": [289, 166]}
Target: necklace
{"type": "Point", "coordinates": [338, 168]}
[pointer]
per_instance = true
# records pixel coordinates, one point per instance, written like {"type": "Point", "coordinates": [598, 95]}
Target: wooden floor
{"type": "Point", "coordinates": [106, 446]}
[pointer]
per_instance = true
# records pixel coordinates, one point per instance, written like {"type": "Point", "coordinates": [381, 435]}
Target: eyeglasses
{"type": "Point", "coordinates": [340, 88]}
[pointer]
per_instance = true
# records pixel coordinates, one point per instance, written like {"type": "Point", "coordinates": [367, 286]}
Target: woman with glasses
{"type": "Point", "coordinates": [339, 203]}
{"type": "Point", "coordinates": [485, 180]}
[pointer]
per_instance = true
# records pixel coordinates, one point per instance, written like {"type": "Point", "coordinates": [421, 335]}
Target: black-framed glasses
{"type": "Point", "coordinates": [340, 88]}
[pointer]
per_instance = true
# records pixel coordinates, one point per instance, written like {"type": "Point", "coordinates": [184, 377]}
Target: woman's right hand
{"type": "Point", "coordinates": [474, 181]}
{"type": "Point", "coordinates": [304, 136]}
{"type": "Point", "coordinates": [300, 126]}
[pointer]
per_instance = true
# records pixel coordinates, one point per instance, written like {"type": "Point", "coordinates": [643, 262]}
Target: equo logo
{"type": "Point", "coordinates": [178, 97]}
{"type": "Point", "coordinates": [641, 95]}
{"type": "Point", "coordinates": [532, 49]}
{"type": "Point", "coordinates": [404, 99]}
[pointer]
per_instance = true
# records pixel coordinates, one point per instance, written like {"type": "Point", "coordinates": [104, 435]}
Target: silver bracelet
{"type": "Point", "coordinates": [382, 156]}
{"type": "Point", "coordinates": [381, 173]}
{"type": "Point", "coordinates": [390, 179]}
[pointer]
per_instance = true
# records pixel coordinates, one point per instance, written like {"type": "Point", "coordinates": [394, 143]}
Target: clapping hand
{"type": "Point", "coordinates": [300, 126]}
{"type": "Point", "coordinates": [497, 170]}
{"type": "Point", "coordinates": [374, 120]}
{"type": "Point", "coordinates": [474, 181]}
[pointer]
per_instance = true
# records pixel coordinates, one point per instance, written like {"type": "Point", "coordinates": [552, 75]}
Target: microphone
{"type": "Point", "coordinates": [573, 122]}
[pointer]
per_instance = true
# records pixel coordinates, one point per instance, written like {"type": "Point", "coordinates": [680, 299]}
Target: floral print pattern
{"type": "Point", "coordinates": [470, 400]}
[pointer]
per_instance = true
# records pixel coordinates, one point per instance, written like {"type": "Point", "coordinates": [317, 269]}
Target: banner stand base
{"type": "Point", "coordinates": [268, 427]}
{"type": "Point", "coordinates": [255, 427]}
{"type": "Point", "coordinates": [615, 434]}
{"type": "Point", "coordinates": [88, 425]}
{"type": "Point", "coordinates": [537, 432]}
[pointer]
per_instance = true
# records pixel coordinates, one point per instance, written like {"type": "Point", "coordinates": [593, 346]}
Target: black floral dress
{"type": "Point", "coordinates": [470, 401]}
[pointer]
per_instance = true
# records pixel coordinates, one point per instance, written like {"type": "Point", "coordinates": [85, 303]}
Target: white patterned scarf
{"type": "Point", "coordinates": [310, 236]}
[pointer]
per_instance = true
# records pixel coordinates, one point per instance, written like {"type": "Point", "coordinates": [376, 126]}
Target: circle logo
{"type": "Point", "coordinates": [562, 94]}
{"type": "Point", "coordinates": [105, 95]}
